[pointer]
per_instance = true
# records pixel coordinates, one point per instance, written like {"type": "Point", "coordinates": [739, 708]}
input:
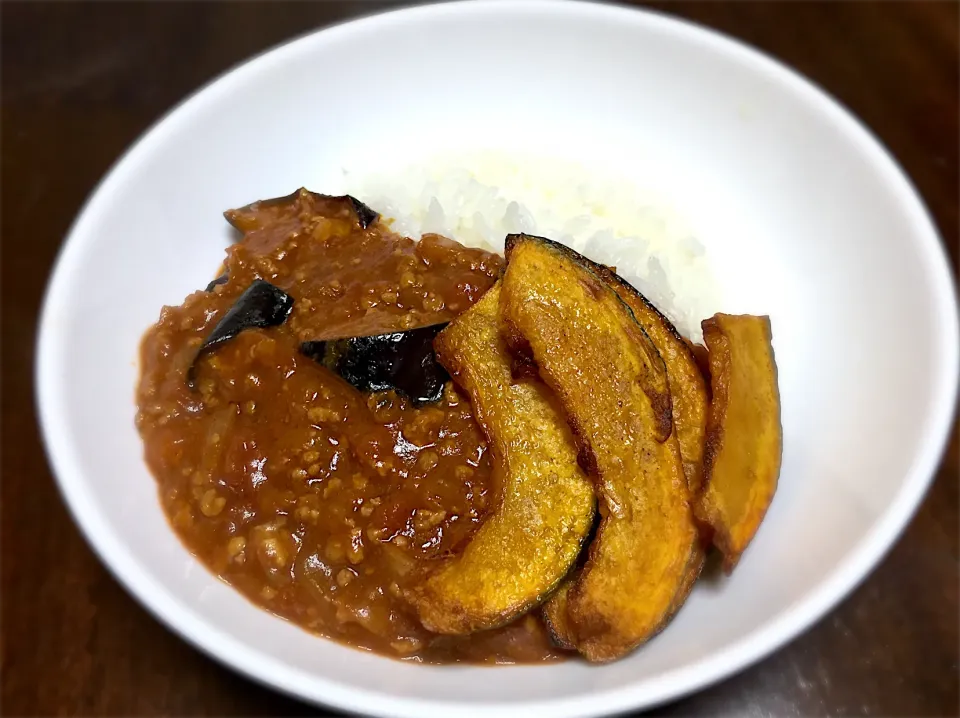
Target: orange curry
{"type": "Point", "coordinates": [319, 502]}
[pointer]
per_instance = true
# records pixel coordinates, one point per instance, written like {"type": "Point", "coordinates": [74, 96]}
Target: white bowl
{"type": "Point", "coordinates": [803, 213]}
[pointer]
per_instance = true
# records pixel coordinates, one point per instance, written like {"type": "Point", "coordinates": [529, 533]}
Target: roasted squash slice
{"type": "Point", "coordinates": [688, 390]}
{"type": "Point", "coordinates": [613, 387]}
{"type": "Point", "coordinates": [546, 503]}
{"type": "Point", "coordinates": [744, 438]}
{"type": "Point", "coordinates": [555, 616]}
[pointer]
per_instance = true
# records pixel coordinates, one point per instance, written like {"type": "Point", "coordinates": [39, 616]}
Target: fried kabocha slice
{"type": "Point", "coordinates": [744, 438]}
{"type": "Point", "coordinates": [688, 390]}
{"type": "Point", "coordinates": [545, 504]}
{"type": "Point", "coordinates": [612, 383]}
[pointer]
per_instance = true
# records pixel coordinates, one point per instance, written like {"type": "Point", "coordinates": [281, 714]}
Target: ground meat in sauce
{"type": "Point", "coordinates": [317, 502]}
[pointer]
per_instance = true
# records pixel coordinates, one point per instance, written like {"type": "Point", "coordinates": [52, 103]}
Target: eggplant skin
{"type": "Point", "coordinates": [222, 279]}
{"type": "Point", "coordinates": [365, 215]}
{"type": "Point", "coordinates": [403, 361]}
{"type": "Point", "coordinates": [261, 213]}
{"type": "Point", "coordinates": [261, 305]}
{"type": "Point", "coordinates": [266, 212]}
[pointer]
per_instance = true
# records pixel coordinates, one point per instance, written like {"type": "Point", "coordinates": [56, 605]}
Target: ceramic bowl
{"type": "Point", "coordinates": [803, 214]}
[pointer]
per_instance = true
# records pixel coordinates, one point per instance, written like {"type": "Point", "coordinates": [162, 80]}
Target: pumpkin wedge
{"type": "Point", "coordinates": [588, 347]}
{"type": "Point", "coordinates": [744, 437]}
{"type": "Point", "coordinates": [555, 616]}
{"type": "Point", "coordinates": [545, 505]}
{"type": "Point", "coordinates": [688, 390]}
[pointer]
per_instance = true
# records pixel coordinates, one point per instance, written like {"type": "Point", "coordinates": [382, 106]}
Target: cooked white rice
{"type": "Point", "coordinates": [479, 199]}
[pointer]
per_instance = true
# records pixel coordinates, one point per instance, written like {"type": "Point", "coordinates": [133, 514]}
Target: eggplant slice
{"type": "Point", "coordinates": [265, 212]}
{"type": "Point", "coordinates": [222, 279]}
{"type": "Point", "coordinates": [365, 215]}
{"type": "Point", "coordinates": [261, 305]}
{"type": "Point", "coordinates": [404, 361]}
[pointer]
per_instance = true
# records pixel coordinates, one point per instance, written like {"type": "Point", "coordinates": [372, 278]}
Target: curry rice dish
{"type": "Point", "coordinates": [440, 454]}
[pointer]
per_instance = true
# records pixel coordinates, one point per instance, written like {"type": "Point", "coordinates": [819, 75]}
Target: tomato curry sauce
{"type": "Point", "coordinates": [318, 502]}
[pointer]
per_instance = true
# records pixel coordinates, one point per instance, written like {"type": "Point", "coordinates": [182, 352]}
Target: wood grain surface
{"type": "Point", "coordinates": [80, 82]}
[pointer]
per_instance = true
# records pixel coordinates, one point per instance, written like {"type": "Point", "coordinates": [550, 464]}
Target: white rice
{"type": "Point", "coordinates": [478, 199]}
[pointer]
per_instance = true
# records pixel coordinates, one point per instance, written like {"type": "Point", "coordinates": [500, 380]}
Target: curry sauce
{"type": "Point", "coordinates": [322, 504]}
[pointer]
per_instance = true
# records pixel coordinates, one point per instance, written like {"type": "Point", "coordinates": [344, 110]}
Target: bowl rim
{"type": "Point", "coordinates": [317, 689]}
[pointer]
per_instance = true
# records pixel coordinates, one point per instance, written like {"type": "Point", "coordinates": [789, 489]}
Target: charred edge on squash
{"type": "Point", "coordinates": [506, 617]}
{"type": "Point", "coordinates": [713, 440]}
{"type": "Point", "coordinates": [586, 457]}
{"type": "Point", "coordinates": [610, 276]}
{"type": "Point", "coordinates": [661, 402]}
{"type": "Point", "coordinates": [554, 615]}
{"type": "Point", "coordinates": [522, 366]}
{"type": "Point", "coordinates": [585, 630]}
{"type": "Point", "coordinates": [690, 392]}
{"type": "Point", "coordinates": [595, 625]}
{"type": "Point", "coordinates": [554, 610]}
{"type": "Point", "coordinates": [702, 361]}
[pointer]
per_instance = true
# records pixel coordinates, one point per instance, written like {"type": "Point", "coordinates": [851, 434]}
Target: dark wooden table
{"type": "Point", "coordinates": [80, 81]}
